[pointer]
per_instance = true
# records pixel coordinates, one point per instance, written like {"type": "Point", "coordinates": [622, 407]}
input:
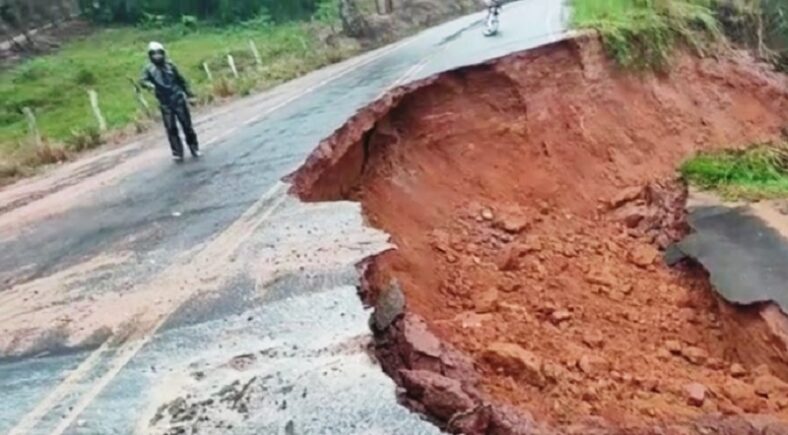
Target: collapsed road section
{"type": "Point", "coordinates": [530, 199]}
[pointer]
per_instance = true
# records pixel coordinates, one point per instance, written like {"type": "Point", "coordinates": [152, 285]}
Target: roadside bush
{"type": "Point", "coordinates": [758, 172]}
{"type": "Point", "coordinates": [223, 88]}
{"type": "Point", "coordinates": [759, 24]}
{"type": "Point", "coordinates": [642, 34]}
{"type": "Point", "coordinates": [47, 154]}
{"type": "Point", "coordinates": [84, 139]}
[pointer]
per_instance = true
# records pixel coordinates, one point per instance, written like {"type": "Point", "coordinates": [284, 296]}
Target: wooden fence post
{"type": "Point", "coordinates": [231, 62]}
{"type": "Point", "coordinates": [207, 71]}
{"type": "Point", "coordinates": [141, 98]}
{"type": "Point", "coordinates": [94, 104]}
{"type": "Point", "coordinates": [256, 53]}
{"type": "Point", "coordinates": [32, 126]}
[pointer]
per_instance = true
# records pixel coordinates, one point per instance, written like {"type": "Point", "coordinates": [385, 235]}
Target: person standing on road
{"type": "Point", "coordinates": [172, 91]}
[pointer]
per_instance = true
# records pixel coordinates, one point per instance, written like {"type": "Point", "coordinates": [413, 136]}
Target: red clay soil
{"type": "Point", "coordinates": [529, 199]}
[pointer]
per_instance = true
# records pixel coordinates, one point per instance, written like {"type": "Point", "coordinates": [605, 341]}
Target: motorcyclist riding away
{"type": "Point", "coordinates": [492, 20]}
{"type": "Point", "coordinates": [172, 91]}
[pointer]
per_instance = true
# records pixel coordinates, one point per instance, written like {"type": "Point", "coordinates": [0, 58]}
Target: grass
{"type": "Point", "coordinates": [642, 34]}
{"type": "Point", "coordinates": [760, 172]}
{"type": "Point", "coordinates": [55, 86]}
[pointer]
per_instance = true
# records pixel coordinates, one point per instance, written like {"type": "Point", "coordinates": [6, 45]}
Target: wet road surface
{"type": "Point", "coordinates": [128, 282]}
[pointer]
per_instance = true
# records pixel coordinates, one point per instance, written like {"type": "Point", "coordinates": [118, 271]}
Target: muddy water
{"type": "Point", "coordinates": [529, 200]}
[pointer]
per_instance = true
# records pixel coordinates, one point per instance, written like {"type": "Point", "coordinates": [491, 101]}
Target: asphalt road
{"type": "Point", "coordinates": [129, 282]}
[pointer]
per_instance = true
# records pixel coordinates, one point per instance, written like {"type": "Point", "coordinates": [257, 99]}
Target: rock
{"type": "Point", "coordinates": [673, 346]}
{"type": "Point", "coordinates": [601, 277]}
{"type": "Point", "coordinates": [470, 319]}
{"type": "Point", "coordinates": [440, 240]}
{"type": "Point", "coordinates": [594, 340]}
{"type": "Point", "coordinates": [242, 362]}
{"type": "Point", "coordinates": [553, 372]}
{"type": "Point", "coordinates": [512, 223]}
{"type": "Point", "coordinates": [695, 355]}
{"type": "Point", "coordinates": [741, 395]}
{"type": "Point", "coordinates": [441, 396]}
{"type": "Point", "coordinates": [651, 384]}
{"type": "Point", "coordinates": [761, 370]}
{"type": "Point", "coordinates": [737, 370]}
{"type": "Point", "coordinates": [631, 215]}
{"type": "Point", "coordinates": [510, 287]}
{"type": "Point", "coordinates": [643, 256]}
{"type": "Point", "coordinates": [486, 301]}
{"type": "Point", "coordinates": [592, 365]}
{"type": "Point", "coordinates": [514, 360]}
{"type": "Point", "coordinates": [663, 354]}
{"type": "Point", "coordinates": [627, 289]}
{"type": "Point", "coordinates": [532, 243]}
{"type": "Point", "coordinates": [560, 316]}
{"type": "Point", "coordinates": [688, 315]}
{"type": "Point", "coordinates": [715, 364]}
{"type": "Point", "coordinates": [769, 385]}
{"type": "Point", "coordinates": [591, 394]}
{"type": "Point", "coordinates": [510, 258]}
{"type": "Point", "coordinates": [696, 394]}
{"type": "Point", "coordinates": [626, 195]}
{"type": "Point", "coordinates": [422, 341]}
{"type": "Point", "coordinates": [389, 306]}
{"type": "Point", "coordinates": [487, 214]}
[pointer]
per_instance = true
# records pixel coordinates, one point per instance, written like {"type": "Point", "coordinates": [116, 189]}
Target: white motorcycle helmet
{"type": "Point", "coordinates": [156, 52]}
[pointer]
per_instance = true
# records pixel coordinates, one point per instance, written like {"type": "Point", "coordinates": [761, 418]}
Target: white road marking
{"type": "Point", "coordinates": [24, 426]}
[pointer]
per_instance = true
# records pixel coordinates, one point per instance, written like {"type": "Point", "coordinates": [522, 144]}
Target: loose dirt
{"type": "Point", "coordinates": [531, 200]}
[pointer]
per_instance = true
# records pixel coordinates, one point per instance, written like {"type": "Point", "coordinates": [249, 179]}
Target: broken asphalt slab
{"type": "Point", "coordinates": [744, 247]}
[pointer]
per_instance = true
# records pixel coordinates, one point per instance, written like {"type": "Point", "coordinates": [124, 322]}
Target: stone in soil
{"type": "Point", "coordinates": [695, 355]}
{"type": "Point", "coordinates": [390, 305]}
{"type": "Point", "coordinates": [486, 301]}
{"type": "Point", "coordinates": [643, 255]}
{"type": "Point", "coordinates": [737, 370]}
{"type": "Point", "coordinates": [513, 360]}
{"type": "Point", "coordinates": [696, 393]}
{"type": "Point", "coordinates": [441, 396]}
{"type": "Point", "coordinates": [594, 340]}
{"type": "Point", "coordinates": [560, 316]}
{"type": "Point", "coordinates": [593, 365]}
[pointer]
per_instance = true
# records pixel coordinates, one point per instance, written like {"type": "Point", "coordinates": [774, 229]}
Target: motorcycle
{"type": "Point", "coordinates": [493, 22]}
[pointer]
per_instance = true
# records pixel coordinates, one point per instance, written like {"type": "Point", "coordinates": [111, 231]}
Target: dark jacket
{"type": "Point", "coordinates": [167, 82]}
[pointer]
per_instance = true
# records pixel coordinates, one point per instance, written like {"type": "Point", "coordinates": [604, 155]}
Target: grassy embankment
{"type": "Point", "coordinates": [760, 172]}
{"type": "Point", "coordinates": [55, 86]}
{"type": "Point", "coordinates": [642, 35]}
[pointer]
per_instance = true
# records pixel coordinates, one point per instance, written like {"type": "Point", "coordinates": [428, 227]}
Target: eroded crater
{"type": "Point", "coordinates": [531, 200]}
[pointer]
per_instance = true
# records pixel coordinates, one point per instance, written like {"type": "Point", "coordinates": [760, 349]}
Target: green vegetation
{"type": "Point", "coordinates": [55, 86]}
{"type": "Point", "coordinates": [641, 34]}
{"type": "Point", "coordinates": [756, 173]}
{"type": "Point", "coordinates": [760, 24]}
{"type": "Point", "coordinates": [218, 11]}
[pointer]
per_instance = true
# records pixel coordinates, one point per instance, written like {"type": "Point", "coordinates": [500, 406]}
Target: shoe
{"type": "Point", "coordinates": [177, 159]}
{"type": "Point", "coordinates": [196, 154]}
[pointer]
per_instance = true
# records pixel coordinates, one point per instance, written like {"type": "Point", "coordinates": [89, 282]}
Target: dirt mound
{"type": "Point", "coordinates": [530, 199]}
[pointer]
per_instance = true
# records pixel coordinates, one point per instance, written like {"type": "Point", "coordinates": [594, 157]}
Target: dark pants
{"type": "Point", "coordinates": [172, 114]}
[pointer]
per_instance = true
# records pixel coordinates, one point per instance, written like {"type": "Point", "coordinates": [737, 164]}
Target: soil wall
{"type": "Point", "coordinates": [530, 199]}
